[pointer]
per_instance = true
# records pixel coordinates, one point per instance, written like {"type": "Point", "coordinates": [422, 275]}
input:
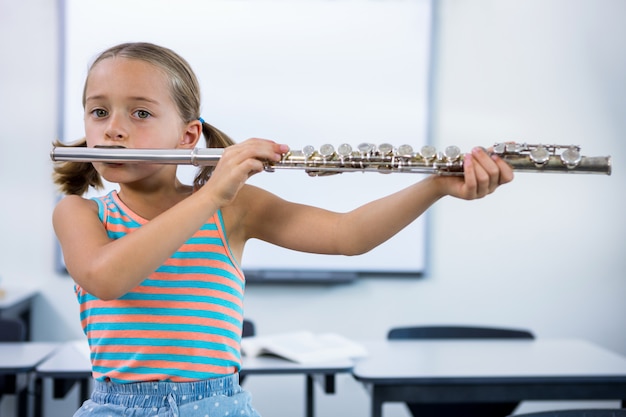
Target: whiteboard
{"type": "Point", "coordinates": [301, 72]}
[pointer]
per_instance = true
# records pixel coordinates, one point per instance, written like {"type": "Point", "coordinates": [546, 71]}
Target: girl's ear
{"type": "Point", "coordinates": [191, 135]}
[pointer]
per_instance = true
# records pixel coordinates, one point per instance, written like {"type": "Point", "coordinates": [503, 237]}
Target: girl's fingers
{"type": "Point", "coordinates": [506, 172]}
{"type": "Point", "coordinates": [263, 149]}
{"type": "Point", "coordinates": [482, 174]}
{"type": "Point", "coordinates": [488, 172]}
{"type": "Point", "coordinates": [469, 172]}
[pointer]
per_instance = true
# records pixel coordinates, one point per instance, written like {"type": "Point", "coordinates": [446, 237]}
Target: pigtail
{"type": "Point", "coordinates": [214, 138]}
{"type": "Point", "coordinates": [75, 177]}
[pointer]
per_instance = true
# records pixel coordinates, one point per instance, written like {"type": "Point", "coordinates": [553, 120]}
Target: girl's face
{"type": "Point", "coordinates": [128, 103]}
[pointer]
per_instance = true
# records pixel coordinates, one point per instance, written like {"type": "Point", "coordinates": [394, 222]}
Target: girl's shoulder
{"type": "Point", "coordinates": [72, 213]}
{"type": "Point", "coordinates": [74, 204]}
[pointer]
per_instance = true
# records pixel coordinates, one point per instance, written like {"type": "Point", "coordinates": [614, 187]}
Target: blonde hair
{"type": "Point", "coordinates": [77, 177]}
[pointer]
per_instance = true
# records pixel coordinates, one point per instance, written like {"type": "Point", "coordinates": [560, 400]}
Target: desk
{"type": "Point", "coordinates": [17, 303]}
{"type": "Point", "coordinates": [70, 364]}
{"type": "Point", "coordinates": [323, 372]}
{"type": "Point", "coordinates": [18, 360]}
{"type": "Point", "coordinates": [489, 370]}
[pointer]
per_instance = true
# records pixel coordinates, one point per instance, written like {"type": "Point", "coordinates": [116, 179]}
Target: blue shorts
{"type": "Point", "coordinates": [214, 397]}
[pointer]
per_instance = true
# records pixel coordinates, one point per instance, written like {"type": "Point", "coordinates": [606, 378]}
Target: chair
{"type": "Point", "coordinates": [459, 332]}
{"type": "Point", "coordinates": [11, 330]}
{"type": "Point", "coordinates": [595, 412]}
{"type": "Point", "coordinates": [248, 329]}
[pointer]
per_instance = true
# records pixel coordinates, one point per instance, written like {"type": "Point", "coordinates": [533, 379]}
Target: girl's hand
{"type": "Point", "coordinates": [483, 174]}
{"type": "Point", "coordinates": [238, 163]}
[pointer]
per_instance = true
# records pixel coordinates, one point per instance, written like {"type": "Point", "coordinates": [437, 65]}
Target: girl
{"type": "Point", "coordinates": [156, 264]}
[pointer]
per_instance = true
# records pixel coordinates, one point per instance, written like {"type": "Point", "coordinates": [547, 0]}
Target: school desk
{"type": "Point", "coordinates": [447, 371]}
{"type": "Point", "coordinates": [18, 361]}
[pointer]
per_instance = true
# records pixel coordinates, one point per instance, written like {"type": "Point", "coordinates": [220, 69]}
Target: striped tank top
{"type": "Point", "coordinates": [182, 323]}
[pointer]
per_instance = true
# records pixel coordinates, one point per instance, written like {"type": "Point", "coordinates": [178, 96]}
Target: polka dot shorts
{"type": "Point", "coordinates": [219, 397]}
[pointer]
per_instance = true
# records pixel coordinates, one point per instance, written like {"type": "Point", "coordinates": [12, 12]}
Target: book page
{"type": "Point", "coordinates": [303, 347]}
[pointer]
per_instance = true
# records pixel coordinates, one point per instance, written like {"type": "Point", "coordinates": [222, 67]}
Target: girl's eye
{"type": "Point", "coordinates": [99, 112]}
{"type": "Point", "coordinates": [142, 114]}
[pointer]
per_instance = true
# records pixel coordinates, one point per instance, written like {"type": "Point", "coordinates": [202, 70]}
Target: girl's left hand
{"type": "Point", "coordinates": [483, 173]}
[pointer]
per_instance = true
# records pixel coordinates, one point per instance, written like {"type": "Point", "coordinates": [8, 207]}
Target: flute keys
{"type": "Point", "coordinates": [428, 152]}
{"type": "Point", "coordinates": [452, 153]}
{"type": "Point", "coordinates": [385, 149]}
{"type": "Point", "coordinates": [405, 150]}
{"type": "Point", "coordinates": [499, 148]}
{"type": "Point", "coordinates": [294, 155]}
{"type": "Point", "coordinates": [344, 150]}
{"type": "Point", "coordinates": [366, 148]}
{"type": "Point", "coordinates": [571, 157]}
{"type": "Point", "coordinates": [514, 147]}
{"type": "Point", "coordinates": [327, 151]}
{"type": "Point", "coordinates": [540, 155]}
{"type": "Point", "coordinates": [308, 151]}
{"type": "Point", "coordinates": [509, 148]}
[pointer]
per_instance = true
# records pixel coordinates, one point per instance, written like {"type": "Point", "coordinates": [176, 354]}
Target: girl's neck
{"type": "Point", "coordinates": [150, 203]}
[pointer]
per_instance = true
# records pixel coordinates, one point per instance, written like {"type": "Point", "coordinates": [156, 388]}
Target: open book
{"type": "Point", "coordinates": [303, 347]}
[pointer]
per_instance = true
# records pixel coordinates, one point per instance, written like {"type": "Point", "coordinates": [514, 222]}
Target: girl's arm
{"type": "Point", "coordinates": [310, 229]}
{"type": "Point", "coordinates": [109, 268]}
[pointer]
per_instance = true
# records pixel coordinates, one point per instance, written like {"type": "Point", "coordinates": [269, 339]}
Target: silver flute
{"type": "Point", "coordinates": [366, 157]}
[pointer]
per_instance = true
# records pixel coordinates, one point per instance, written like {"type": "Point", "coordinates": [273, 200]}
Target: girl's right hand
{"type": "Point", "coordinates": [238, 163]}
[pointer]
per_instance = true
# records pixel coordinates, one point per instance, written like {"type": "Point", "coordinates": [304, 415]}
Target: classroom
{"type": "Point", "coordinates": [543, 253]}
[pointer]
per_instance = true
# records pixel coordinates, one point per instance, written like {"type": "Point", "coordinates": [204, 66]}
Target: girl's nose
{"type": "Point", "coordinates": [115, 129]}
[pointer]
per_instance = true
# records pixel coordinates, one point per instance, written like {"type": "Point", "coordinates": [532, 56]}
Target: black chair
{"type": "Point", "coordinates": [592, 412]}
{"type": "Point", "coordinates": [11, 330]}
{"type": "Point", "coordinates": [248, 329]}
{"type": "Point", "coordinates": [459, 332]}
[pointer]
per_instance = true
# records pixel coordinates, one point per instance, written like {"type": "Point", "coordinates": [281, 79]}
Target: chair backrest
{"type": "Point", "coordinates": [248, 328]}
{"type": "Point", "coordinates": [457, 332]}
{"type": "Point", "coordinates": [12, 330]}
{"type": "Point", "coordinates": [595, 412]}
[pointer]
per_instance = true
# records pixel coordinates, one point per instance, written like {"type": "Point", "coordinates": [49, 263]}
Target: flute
{"type": "Point", "coordinates": [367, 157]}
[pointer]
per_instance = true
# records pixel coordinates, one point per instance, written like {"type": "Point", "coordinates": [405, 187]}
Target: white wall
{"type": "Point", "coordinates": [545, 252]}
